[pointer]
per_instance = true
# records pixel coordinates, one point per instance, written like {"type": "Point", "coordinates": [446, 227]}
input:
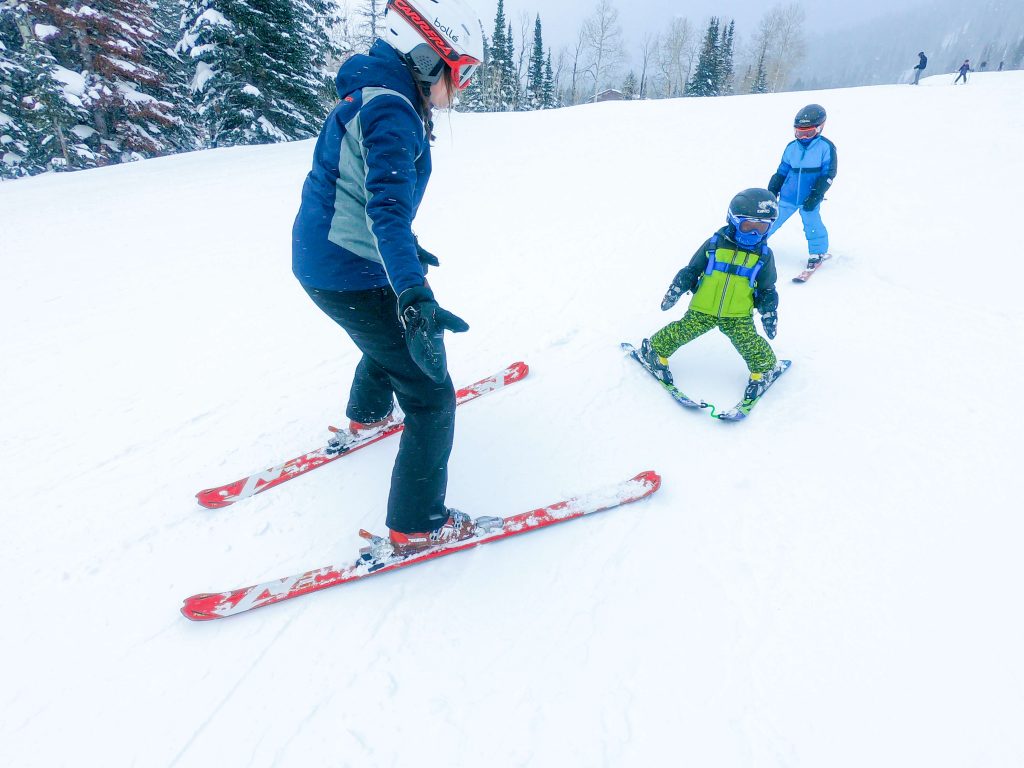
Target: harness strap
{"type": "Point", "coordinates": [750, 273]}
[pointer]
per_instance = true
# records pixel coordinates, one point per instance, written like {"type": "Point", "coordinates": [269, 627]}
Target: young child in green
{"type": "Point", "coordinates": [730, 274]}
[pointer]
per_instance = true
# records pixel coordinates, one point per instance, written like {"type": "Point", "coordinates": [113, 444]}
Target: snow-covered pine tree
{"type": "Point", "coordinates": [726, 73]}
{"type": "Point", "coordinates": [510, 90]}
{"type": "Point", "coordinates": [760, 83]}
{"type": "Point", "coordinates": [706, 78]}
{"type": "Point", "coordinates": [43, 122]}
{"type": "Point", "coordinates": [549, 93]}
{"type": "Point", "coordinates": [630, 86]}
{"type": "Point", "coordinates": [503, 86]}
{"type": "Point", "coordinates": [535, 72]}
{"type": "Point", "coordinates": [15, 138]}
{"type": "Point", "coordinates": [476, 96]}
{"type": "Point", "coordinates": [111, 45]}
{"type": "Point", "coordinates": [259, 68]}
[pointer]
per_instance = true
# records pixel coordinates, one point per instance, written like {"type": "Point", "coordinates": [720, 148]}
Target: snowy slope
{"type": "Point", "coordinates": [835, 582]}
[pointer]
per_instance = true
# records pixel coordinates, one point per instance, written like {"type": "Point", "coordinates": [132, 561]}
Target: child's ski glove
{"type": "Point", "coordinates": [770, 323]}
{"type": "Point", "coordinates": [684, 281]}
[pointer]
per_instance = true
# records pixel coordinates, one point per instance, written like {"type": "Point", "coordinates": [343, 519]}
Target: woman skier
{"type": "Point", "coordinates": [730, 274]}
{"type": "Point", "coordinates": [354, 252]}
{"type": "Point", "coordinates": [808, 168]}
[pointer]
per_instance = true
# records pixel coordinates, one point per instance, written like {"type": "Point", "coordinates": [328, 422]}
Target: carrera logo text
{"type": "Point", "coordinates": [424, 26]}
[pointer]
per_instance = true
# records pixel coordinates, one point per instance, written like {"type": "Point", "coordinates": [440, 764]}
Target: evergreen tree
{"type": "Point", "coordinates": [15, 138]}
{"type": "Point", "coordinates": [549, 94]}
{"type": "Point", "coordinates": [510, 90]}
{"type": "Point", "coordinates": [42, 122]}
{"type": "Point", "coordinates": [726, 74]}
{"type": "Point", "coordinates": [114, 44]}
{"type": "Point", "coordinates": [535, 72]}
{"type": "Point", "coordinates": [706, 77]}
{"type": "Point", "coordinates": [499, 64]}
{"type": "Point", "coordinates": [476, 96]}
{"type": "Point", "coordinates": [760, 84]}
{"type": "Point", "coordinates": [630, 86]}
{"type": "Point", "coordinates": [260, 67]}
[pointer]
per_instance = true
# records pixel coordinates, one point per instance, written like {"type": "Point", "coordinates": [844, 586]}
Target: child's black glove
{"type": "Point", "coordinates": [684, 281]}
{"type": "Point", "coordinates": [770, 323]}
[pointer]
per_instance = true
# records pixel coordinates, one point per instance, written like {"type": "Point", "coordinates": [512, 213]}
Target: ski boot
{"type": "Point", "coordinates": [458, 527]}
{"type": "Point", "coordinates": [357, 430]}
{"type": "Point", "coordinates": [815, 259]}
{"type": "Point", "coordinates": [654, 361]}
{"type": "Point", "coordinates": [756, 386]}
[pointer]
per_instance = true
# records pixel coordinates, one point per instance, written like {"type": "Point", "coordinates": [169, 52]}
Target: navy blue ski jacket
{"type": "Point", "coordinates": [371, 165]}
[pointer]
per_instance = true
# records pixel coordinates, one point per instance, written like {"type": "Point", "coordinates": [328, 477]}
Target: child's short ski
{"type": "Point", "coordinates": [677, 395]}
{"type": "Point", "coordinates": [743, 408]}
{"type": "Point", "coordinates": [206, 607]}
{"type": "Point", "coordinates": [804, 276]}
{"type": "Point", "coordinates": [222, 496]}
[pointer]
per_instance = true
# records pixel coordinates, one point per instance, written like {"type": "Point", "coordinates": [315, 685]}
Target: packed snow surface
{"type": "Point", "coordinates": [834, 582]}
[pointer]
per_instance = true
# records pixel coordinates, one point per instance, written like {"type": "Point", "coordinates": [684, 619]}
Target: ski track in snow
{"type": "Point", "coordinates": [832, 582]}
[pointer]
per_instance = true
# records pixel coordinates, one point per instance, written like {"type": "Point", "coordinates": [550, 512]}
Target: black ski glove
{"type": "Point", "coordinates": [770, 323]}
{"type": "Point", "coordinates": [425, 323]}
{"type": "Point", "coordinates": [427, 259]}
{"type": "Point", "coordinates": [684, 281]}
{"type": "Point", "coordinates": [766, 300]}
{"type": "Point", "coordinates": [812, 202]}
{"type": "Point", "coordinates": [775, 185]}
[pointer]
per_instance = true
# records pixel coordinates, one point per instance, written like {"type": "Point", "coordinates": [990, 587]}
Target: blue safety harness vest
{"type": "Point", "coordinates": [736, 269]}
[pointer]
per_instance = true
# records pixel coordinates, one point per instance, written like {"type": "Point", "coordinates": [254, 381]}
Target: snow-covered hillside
{"type": "Point", "coordinates": [835, 582]}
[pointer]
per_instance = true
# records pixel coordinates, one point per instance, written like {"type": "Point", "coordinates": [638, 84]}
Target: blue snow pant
{"type": "Point", "coordinates": [814, 227]}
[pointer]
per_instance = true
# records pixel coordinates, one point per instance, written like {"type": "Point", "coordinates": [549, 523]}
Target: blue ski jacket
{"type": "Point", "coordinates": [370, 169]}
{"type": "Point", "coordinates": [806, 171]}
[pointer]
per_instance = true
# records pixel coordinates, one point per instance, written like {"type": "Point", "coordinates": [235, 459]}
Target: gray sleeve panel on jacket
{"type": "Point", "coordinates": [350, 226]}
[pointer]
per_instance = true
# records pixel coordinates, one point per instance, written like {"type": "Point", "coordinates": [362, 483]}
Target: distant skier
{"type": "Point", "coordinates": [808, 168]}
{"type": "Point", "coordinates": [964, 69]}
{"type": "Point", "coordinates": [921, 64]}
{"type": "Point", "coordinates": [731, 273]}
{"type": "Point", "coordinates": [355, 254]}
{"type": "Point", "coordinates": [1000, 67]}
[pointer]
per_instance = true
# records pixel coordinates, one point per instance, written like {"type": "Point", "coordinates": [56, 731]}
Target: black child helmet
{"type": "Point", "coordinates": [751, 215]}
{"type": "Point", "coordinates": [808, 121]}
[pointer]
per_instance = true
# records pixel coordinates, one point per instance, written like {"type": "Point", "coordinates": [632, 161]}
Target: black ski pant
{"type": "Point", "coordinates": [961, 75]}
{"type": "Point", "coordinates": [420, 477]}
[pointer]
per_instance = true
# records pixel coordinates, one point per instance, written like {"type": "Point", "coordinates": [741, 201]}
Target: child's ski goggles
{"type": "Point", "coordinates": [761, 226]}
{"type": "Point", "coordinates": [808, 132]}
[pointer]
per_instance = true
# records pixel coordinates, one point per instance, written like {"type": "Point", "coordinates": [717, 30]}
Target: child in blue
{"type": "Point", "coordinates": [806, 172]}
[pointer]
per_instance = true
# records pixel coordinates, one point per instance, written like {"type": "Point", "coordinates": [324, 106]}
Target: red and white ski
{"type": "Point", "coordinates": [804, 276]}
{"type": "Point", "coordinates": [206, 607]}
{"type": "Point", "coordinates": [224, 495]}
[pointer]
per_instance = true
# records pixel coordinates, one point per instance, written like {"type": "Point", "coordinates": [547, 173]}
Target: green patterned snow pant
{"type": "Point", "coordinates": [740, 330]}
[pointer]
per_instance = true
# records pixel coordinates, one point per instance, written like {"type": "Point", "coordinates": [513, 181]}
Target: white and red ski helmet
{"type": "Point", "coordinates": [431, 34]}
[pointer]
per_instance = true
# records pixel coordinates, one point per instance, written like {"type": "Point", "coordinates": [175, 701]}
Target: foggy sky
{"type": "Point", "coordinates": [562, 18]}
